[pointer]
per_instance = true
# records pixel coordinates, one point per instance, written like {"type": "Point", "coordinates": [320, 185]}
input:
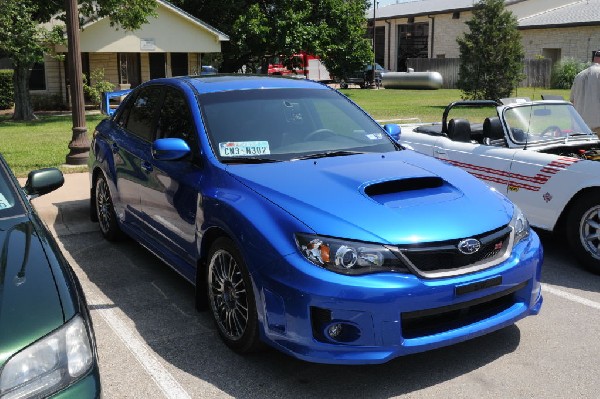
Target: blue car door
{"type": "Point", "coordinates": [171, 202]}
{"type": "Point", "coordinates": [135, 128]}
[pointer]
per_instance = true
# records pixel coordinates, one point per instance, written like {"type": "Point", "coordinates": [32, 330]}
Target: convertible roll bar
{"type": "Point", "coordinates": [469, 103]}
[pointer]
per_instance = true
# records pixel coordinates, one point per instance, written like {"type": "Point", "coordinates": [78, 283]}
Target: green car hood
{"type": "Point", "coordinates": [30, 305]}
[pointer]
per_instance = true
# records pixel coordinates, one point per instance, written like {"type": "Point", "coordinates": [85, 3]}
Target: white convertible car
{"type": "Point", "coordinates": [540, 154]}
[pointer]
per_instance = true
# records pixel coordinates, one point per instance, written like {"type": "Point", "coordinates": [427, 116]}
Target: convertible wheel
{"type": "Point", "coordinates": [231, 297]}
{"type": "Point", "coordinates": [105, 211]}
{"type": "Point", "coordinates": [583, 231]}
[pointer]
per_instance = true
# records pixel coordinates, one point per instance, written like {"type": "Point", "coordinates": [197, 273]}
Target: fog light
{"type": "Point", "coordinates": [335, 330]}
{"type": "Point", "coordinates": [342, 332]}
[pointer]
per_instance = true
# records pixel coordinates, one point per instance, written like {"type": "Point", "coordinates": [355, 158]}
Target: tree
{"type": "Point", "coordinates": [491, 53]}
{"type": "Point", "coordinates": [24, 40]}
{"type": "Point", "coordinates": [332, 29]}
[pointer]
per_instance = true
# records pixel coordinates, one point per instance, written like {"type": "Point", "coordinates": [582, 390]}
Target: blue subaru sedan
{"type": "Point", "coordinates": [304, 225]}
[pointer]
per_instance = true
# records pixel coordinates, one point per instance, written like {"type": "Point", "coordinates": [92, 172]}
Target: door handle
{"type": "Point", "coordinates": [440, 152]}
{"type": "Point", "coordinates": [147, 166]}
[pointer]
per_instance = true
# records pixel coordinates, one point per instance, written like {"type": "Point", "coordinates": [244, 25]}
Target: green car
{"type": "Point", "coordinates": [47, 345]}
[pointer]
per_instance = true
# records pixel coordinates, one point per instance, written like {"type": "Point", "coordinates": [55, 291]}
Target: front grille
{"type": "Point", "coordinates": [434, 321]}
{"type": "Point", "coordinates": [445, 256]}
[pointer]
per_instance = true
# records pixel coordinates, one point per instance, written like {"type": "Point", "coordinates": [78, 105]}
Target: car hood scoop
{"type": "Point", "coordinates": [400, 197]}
{"type": "Point", "coordinates": [412, 191]}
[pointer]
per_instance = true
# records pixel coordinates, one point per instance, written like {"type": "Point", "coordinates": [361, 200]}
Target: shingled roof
{"type": "Point", "coordinates": [426, 7]}
{"type": "Point", "coordinates": [578, 13]}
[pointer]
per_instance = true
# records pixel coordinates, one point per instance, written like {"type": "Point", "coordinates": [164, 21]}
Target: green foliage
{"type": "Point", "coordinates": [24, 40]}
{"type": "Point", "coordinates": [564, 72]}
{"type": "Point", "coordinates": [21, 38]}
{"type": "Point", "coordinates": [6, 88]}
{"type": "Point", "coordinates": [491, 53]}
{"type": "Point", "coordinates": [331, 29]}
{"type": "Point", "coordinates": [129, 15]}
{"type": "Point", "coordinates": [97, 86]}
{"type": "Point", "coordinates": [47, 102]}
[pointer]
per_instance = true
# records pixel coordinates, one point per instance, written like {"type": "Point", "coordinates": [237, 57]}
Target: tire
{"type": "Point", "coordinates": [583, 231]}
{"type": "Point", "coordinates": [105, 211]}
{"type": "Point", "coordinates": [231, 297]}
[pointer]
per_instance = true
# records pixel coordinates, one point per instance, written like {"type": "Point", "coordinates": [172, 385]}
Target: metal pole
{"type": "Point", "coordinates": [80, 145]}
{"type": "Point", "coordinates": [374, 61]}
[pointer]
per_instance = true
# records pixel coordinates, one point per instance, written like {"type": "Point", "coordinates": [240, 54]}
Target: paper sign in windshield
{"type": "Point", "coordinates": [244, 148]}
{"type": "Point", "coordinates": [4, 202]}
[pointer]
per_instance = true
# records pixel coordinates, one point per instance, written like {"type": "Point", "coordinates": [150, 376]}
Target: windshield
{"type": "Point", "coordinates": [287, 124]}
{"type": "Point", "coordinates": [9, 204]}
{"type": "Point", "coordinates": [545, 122]}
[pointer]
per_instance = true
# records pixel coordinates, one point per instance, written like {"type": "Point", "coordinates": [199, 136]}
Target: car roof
{"type": "Point", "coordinates": [220, 83]}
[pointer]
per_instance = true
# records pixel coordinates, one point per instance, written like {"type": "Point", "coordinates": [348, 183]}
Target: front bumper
{"type": "Point", "coordinates": [87, 387]}
{"type": "Point", "coordinates": [319, 316]}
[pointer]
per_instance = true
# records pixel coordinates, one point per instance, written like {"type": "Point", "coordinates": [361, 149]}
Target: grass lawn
{"type": "Point", "coordinates": [425, 105]}
{"type": "Point", "coordinates": [43, 143]}
{"type": "Point", "coordinates": [39, 144]}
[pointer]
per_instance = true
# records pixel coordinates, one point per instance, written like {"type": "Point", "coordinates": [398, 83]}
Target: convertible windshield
{"type": "Point", "coordinates": [533, 123]}
{"type": "Point", "coordinates": [284, 124]}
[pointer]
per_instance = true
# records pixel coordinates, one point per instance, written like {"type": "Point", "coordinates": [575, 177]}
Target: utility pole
{"type": "Point", "coordinates": [80, 145]}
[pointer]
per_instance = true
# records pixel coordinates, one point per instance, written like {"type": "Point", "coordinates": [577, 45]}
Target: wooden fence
{"type": "Point", "coordinates": [537, 72]}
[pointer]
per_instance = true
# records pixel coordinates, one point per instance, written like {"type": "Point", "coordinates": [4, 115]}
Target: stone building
{"type": "Point", "coordinates": [552, 29]}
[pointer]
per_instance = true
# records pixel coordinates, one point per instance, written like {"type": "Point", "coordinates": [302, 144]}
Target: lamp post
{"type": "Point", "coordinates": [79, 146]}
{"type": "Point", "coordinates": [374, 60]}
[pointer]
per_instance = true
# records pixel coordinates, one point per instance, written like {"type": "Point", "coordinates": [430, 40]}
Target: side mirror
{"type": "Point", "coordinates": [170, 149]}
{"type": "Point", "coordinates": [393, 130]}
{"type": "Point", "coordinates": [43, 181]}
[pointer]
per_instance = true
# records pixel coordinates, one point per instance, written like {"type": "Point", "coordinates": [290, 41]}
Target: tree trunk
{"type": "Point", "coordinates": [23, 107]}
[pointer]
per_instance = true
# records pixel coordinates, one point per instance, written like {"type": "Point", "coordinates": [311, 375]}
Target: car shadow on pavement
{"type": "Point", "coordinates": [160, 305]}
{"type": "Point", "coordinates": [562, 269]}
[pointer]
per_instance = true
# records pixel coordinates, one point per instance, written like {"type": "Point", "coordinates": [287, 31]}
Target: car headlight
{"type": "Point", "coordinates": [348, 257]}
{"type": "Point", "coordinates": [520, 225]}
{"type": "Point", "coordinates": [52, 363]}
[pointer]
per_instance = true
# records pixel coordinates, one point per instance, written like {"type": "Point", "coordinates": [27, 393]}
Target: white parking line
{"type": "Point", "coordinates": [571, 297]}
{"type": "Point", "coordinates": [167, 383]}
{"type": "Point", "coordinates": [97, 301]}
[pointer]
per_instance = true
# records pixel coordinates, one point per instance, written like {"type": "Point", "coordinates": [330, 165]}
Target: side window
{"type": "Point", "coordinates": [175, 119]}
{"type": "Point", "coordinates": [142, 113]}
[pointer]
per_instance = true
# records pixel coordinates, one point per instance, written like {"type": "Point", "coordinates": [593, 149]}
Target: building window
{"type": "Point", "coordinates": [37, 80]}
{"type": "Point", "coordinates": [179, 64]}
{"type": "Point", "coordinates": [380, 45]}
{"type": "Point", "coordinates": [456, 15]}
{"type": "Point", "coordinates": [413, 42]}
{"type": "Point", "coordinates": [129, 69]}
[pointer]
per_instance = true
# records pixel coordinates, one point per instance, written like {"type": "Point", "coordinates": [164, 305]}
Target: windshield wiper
{"type": "Point", "coordinates": [230, 160]}
{"type": "Point", "coordinates": [326, 154]}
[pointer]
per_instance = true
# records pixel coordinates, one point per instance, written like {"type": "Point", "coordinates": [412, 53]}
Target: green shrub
{"type": "Point", "coordinates": [47, 102]}
{"type": "Point", "coordinates": [97, 86]}
{"type": "Point", "coordinates": [7, 95]}
{"type": "Point", "coordinates": [565, 71]}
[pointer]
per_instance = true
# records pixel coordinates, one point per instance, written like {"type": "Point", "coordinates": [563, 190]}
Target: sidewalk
{"type": "Point", "coordinates": [66, 210]}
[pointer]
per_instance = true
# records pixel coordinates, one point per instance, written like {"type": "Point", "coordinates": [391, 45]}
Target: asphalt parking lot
{"type": "Point", "coordinates": [153, 344]}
